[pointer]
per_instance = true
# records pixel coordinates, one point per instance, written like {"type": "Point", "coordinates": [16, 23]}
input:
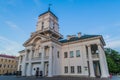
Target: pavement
{"type": "Point", "coordinates": [115, 78]}
{"type": "Point", "coordinates": [54, 78]}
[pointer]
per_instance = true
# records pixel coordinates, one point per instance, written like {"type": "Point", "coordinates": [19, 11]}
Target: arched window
{"type": "Point", "coordinates": [42, 25]}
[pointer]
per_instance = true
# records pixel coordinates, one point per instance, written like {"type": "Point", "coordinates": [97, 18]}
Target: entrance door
{"type": "Point", "coordinates": [26, 69]}
{"type": "Point", "coordinates": [46, 69]}
{"type": "Point", "coordinates": [97, 68]}
{"type": "Point", "coordinates": [88, 68]}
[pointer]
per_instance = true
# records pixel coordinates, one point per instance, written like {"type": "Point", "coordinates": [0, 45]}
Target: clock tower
{"type": "Point", "coordinates": [48, 23]}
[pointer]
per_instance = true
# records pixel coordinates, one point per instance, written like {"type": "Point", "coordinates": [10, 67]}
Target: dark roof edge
{"type": "Point", "coordinates": [49, 12]}
{"type": "Point", "coordinates": [81, 38]}
{"type": "Point", "coordinates": [102, 40]}
{"type": "Point", "coordinates": [21, 51]}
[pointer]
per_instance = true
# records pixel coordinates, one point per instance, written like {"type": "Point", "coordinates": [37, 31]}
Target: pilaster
{"type": "Point", "coordinates": [50, 61]}
{"type": "Point", "coordinates": [92, 73]}
{"type": "Point", "coordinates": [103, 65]}
{"type": "Point", "coordinates": [42, 60]}
{"type": "Point", "coordinates": [24, 64]}
{"type": "Point", "coordinates": [19, 63]}
{"type": "Point", "coordinates": [30, 64]}
{"type": "Point", "coordinates": [83, 55]}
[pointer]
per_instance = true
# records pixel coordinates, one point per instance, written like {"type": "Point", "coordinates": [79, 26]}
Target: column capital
{"type": "Point", "coordinates": [88, 45]}
{"type": "Point", "coordinates": [99, 44]}
{"type": "Point", "coordinates": [42, 47]}
{"type": "Point", "coordinates": [51, 46]}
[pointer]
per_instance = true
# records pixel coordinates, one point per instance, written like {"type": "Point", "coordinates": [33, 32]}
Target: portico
{"type": "Point", "coordinates": [43, 62]}
{"type": "Point", "coordinates": [95, 58]}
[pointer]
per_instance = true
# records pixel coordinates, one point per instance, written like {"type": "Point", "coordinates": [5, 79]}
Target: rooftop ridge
{"type": "Point", "coordinates": [7, 56]}
{"type": "Point", "coordinates": [48, 12]}
{"type": "Point", "coordinates": [77, 38]}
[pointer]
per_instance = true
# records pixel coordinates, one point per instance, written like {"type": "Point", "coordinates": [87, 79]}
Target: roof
{"type": "Point", "coordinates": [22, 51]}
{"type": "Point", "coordinates": [7, 56]}
{"type": "Point", "coordinates": [48, 12]}
{"type": "Point", "coordinates": [77, 38]}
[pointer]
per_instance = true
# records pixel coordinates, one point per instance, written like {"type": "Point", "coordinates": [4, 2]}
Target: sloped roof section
{"type": "Point", "coordinates": [7, 56]}
{"type": "Point", "coordinates": [49, 12]}
{"type": "Point", "coordinates": [81, 38]}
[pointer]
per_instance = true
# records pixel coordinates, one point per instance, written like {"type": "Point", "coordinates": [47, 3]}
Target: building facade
{"type": "Point", "coordinates": [47, 51]}
{"type": "Point", "coordinates": [8, 64]}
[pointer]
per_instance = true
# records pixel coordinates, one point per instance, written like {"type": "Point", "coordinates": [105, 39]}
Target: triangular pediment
{"type": "Point", "coordinates": [32, 39]}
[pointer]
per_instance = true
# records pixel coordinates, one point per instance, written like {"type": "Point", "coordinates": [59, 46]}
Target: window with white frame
{"type": "Point", "coordinates": [72, 69]}
{"type": "Point", "coordinates": [66, 69]}
{"type": "Point", "coordinates": [77, 53]}
{"type": "Point", "coordinates": [40, 55]}
{"type": "Point", "coordinates": [65, 54]}
{"type": "Point", "coordinates": [78, 69]}
{"type": "Point", "coordinates": [71, 54]}
{"type": "Point", "coordinates": [58, 54]}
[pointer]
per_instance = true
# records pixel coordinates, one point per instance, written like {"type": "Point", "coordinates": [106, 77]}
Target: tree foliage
{"type": "Point", "coordinates": [113, 60]}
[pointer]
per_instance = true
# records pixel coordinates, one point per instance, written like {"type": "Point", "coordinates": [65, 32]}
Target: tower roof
{"type": "Point", "coordinates": [49, 11]}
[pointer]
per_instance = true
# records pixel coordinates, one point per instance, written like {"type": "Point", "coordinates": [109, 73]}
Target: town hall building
{"type": "Point", "coordinates": [48, 53]}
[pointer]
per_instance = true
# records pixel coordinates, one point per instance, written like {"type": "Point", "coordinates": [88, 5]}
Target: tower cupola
{"type": "Point", "coordinates": [48, 23]}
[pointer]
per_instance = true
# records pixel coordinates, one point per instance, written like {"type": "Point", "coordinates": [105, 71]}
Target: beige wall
{"type": "Point", "coordinates": [76, 61]}
{"type": "Point", "coordinates": [8, 65]}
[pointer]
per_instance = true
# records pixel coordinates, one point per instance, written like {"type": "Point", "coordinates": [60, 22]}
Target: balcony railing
{"type": "Point", "coordinates": [95, 56]}
{"type": "Point", "coordinates": [46, 57]}
{"type": "Point", "coordinates": [36, 58]}
{"type": "Point", "coordinates": [27, 59]}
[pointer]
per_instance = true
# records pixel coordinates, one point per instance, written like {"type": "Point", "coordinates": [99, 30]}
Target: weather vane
{"type": "Point", "coordinates": [49, 6]}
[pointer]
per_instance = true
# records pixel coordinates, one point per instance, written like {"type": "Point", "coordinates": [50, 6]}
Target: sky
{"type": "Point", "coordinates": [18, 19]}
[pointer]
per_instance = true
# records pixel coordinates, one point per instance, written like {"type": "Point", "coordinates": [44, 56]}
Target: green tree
{"type": "Point", "coordinates": [113, 60]}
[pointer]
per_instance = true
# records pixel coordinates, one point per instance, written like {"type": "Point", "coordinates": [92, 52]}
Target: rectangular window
{"type": "Point", "coordinates": [65, 54]}
{"type": "Point", "coordinates": [42, 25]}
{"type": "Point", "coordinates": [72, 69]}
{"type": "Point", "coordinates": [40, 55]}
{"type": "Point", "coordinates": [1, 59]}
{"type": "Point", "coordinates": [5, 60]}
{"type": "Point", "coordinates": [66, 69]}
{"type": "Point", "coordinates": [78, 69]}
{"type": "Point", "coordinates": [71, 54]}
{"type": "Point", "coordinates": [0, 65]}
{"type": "Point", "coordinates": [58, 55]}
{"type": "Point", "coordinates": [4, 65]}
{"type": "Point", "coordinates": [77, 53]}
{"type": "Point", "coordinates": [86, 52]}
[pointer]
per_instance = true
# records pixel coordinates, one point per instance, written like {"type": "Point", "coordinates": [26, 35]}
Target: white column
{"type": "Point", "coordinates": [84, 58]}
{"type": "Point", "coordinates": [24, 64]}
{"type": "Point", "coordinates": [50, 62]}
{"type": "Point", "coordinates": [92, 73]}
{"type": "Point", "coordinates": [30, 64]}
{"type": "Point", "coordinates": [104, 72]}
{"type": "Point", "coordinates": [42, 61]}
{"type": "Point", "coordinates": [29, 69]}
{"type": "Point", "coordinates": [19, 63]}
{"type": "Point", "coordinates": [105, 62]}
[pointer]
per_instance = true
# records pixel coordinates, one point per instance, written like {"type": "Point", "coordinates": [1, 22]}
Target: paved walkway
{"type": "Point", "coordinates": [46, 78]}
{"type": "Point", "coordinates": [115, 78]}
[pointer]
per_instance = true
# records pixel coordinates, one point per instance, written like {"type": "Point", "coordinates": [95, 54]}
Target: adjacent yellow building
{"type": "Point", "coordinates": [8, 64]}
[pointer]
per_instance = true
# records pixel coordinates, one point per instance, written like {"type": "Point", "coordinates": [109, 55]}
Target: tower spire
{"type": "Point", "coordinates": [49, 6]}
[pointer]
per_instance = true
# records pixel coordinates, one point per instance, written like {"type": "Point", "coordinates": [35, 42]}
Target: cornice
{"type": "Point", "coordinates": [83, 40]}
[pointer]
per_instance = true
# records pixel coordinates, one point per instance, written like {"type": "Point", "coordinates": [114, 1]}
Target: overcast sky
{"type": "Point", "coordinates": [18, 19]}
